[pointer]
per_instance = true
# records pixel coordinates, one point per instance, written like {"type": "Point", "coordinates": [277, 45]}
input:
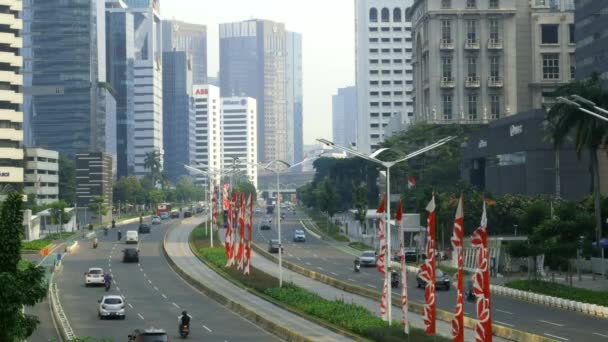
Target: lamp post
{"type": "Point", "coordinates": [388, 165]}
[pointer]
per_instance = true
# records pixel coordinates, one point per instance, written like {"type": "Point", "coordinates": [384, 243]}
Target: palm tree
{"type": "Point", "coordinates": [152, 163]}
{"type": "Point", "coordinates": [590, 134]}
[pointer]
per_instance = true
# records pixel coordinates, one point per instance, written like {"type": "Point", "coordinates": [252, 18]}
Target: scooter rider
{"type": "Point", "coordinates": [107, 280]}
{"type": "Point", "coordinates": [95, 242]}
{"type": "Point", "coordinates": [357, 265]}
{"type": "Point", "coordinates": [184, 321]}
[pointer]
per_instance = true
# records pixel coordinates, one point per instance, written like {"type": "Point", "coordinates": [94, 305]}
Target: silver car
{"type": "Point", "coordinates": [111, 306]}
{"type": "Point", "coordinates": [367, 258]}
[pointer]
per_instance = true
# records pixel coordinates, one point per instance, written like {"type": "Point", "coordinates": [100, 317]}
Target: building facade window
{"type": "Point", "coordinates": [494, 29]}
{"type": "Point", "coordinates": [447, 107]}
{"type": "Point", "coordinates": [494, 4]}
{"type": "Point", "coordinates": [446, 68]}
{"type": "Point", "coordinates": [385, 15]}
{"type": "Point", "coordinates": [397, 15]}
{"type": "Point", "coordinates": [549, 34]}
{"type": "Point", "coordinates": [571, 31]}
{"type": "Point", "coordinates": [472, 67]}
{"type": "Point", "coordinates": [373, 15]}
{"type": "Point", "coordinates": [471, 3]}
{"type": "Point", "coordinates": [550, 66]}
{"type": "Point", "coordinates": [472, 106]}
{"type": "Point", "coordinates": [446, 31]}
{"type": "Point", "coordinates": [446, 3]}
{"type": "Point", "coordinates": [471, 31]}
{"type": "Point", "coordinates": [572, 66]}
{"type": "Point", "coordinates": [495, 67]}
{"type": "Point", "coordinates": [495, 106]}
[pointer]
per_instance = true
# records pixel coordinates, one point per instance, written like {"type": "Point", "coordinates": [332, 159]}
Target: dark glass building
{"type": "Point", "coordinates": [591, 38]}
{"type": "Point", "coordinates": [192, 38]}
{"type": "Point", "coordinates": [294, 97]}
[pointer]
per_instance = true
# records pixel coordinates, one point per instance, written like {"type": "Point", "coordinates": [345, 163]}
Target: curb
{"type": "Point", "coordinates": [245, 312]}
{"type": "Point", "coordinates": [498, 330]}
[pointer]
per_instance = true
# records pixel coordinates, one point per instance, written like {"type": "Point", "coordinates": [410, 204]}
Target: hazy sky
{"type": "Point", "coordinates": [328, 33]}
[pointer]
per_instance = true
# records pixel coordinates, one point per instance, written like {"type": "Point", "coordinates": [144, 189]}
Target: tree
{"type": "Point", "coordinates": [589, 132]}
{"type": "Point", "coordinates": [152, 163]}
{"type": "Point", "coordinates": [327, 197]}
{"type": "Point", "coordinates": [98, 206]}
{"type": "Point", "coordinates": [67, 180]}
{"type": "Point", "coordinates": [360, 202]}
{"type": "Point", "coordinates": [247, 188]}
{"type": "Point", "coordinates": [18, 287]}
{"type": "Point", "coordinates": [156, 197]}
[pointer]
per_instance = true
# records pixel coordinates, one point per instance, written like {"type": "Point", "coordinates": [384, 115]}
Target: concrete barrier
{"type": "Point", "coordinates": [59, 316]}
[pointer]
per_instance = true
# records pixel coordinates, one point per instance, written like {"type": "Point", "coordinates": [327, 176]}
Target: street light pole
{"type": "Point", "coordinates": [279, 230]}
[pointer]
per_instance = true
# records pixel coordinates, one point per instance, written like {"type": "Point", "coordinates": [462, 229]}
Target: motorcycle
{"type": "Point", "coordinates": [184, 330]}
{"type": "Point", "coordinates": [95, 244]}
{"type": "Point", "coordinates": [471, 296]}
{"type": "Point", "coordinates": [357, 265]}
{"type": "Point", "coordinates": [108, 285]}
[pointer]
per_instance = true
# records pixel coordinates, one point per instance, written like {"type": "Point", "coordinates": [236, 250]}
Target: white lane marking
{"type": "Point", "coordinates": [129, 304]}
{"type": "Point", "coordinates": [557, 337]}
{"type": "Point", "coordinates": [299, 259]}
{"type": "Point", "coordinates": [140, 316]}
{"type": "Point", "coordinates": [600, 335]}
{"type": "Point", "coordinates": [320, 268]}
{"type": "Point", "coordinates": [209, 330]}
{"type": "Point", "coordinates": [145, 275]}
{"type": "Point", "coordinates": [117, 288]}
{"type": "Point", "coordinates": [155, 288]}
{"type": "Point", "coordinates": [503, 323]}
{"type": "Point", "coordinates": [334, 273]}
{"type": "Point", "coordinates": [309, 264]}
{"type": "Point", "coordinates": [139, 265]}
{"type": "Point", "coordinates": [141, 269]}
{"type": "Point", "coordinates": [353, 280]}
{"type": "Point", "coordinates": [556, 324]}
{"type": "Point", "coordinates": [314, 255]}
{"type": "Point", "coordinates": [163, 295]}
{"type": "Point", "coordinates": [290, 255]}
{"type": "Point", "coordinates": [505, 312]}
{"type": "Point", "coordinates": [177, 306]}
{"type": "Point", "coordinates": [150, 281]}
{"type": "Point", "coordinates": [110, 270]}
{"type": "Point", "coordinates": [372, 286]}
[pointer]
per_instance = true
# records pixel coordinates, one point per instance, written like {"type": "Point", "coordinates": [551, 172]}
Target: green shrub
{"type": "Point", "coordinates": [36, 245]}
{"type": "Point", "coordinates": [360, 246]}
{"type": "Point", "coordinates": [561, 291]}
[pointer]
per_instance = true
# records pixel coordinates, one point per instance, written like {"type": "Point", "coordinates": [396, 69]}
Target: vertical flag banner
{"type": "Point", "coordinates": [381, 236]}
{"type": "Point", "coordinates": [249, 235]}
{"type": "Point", "coordinates": [481, 280]}
{"type": "Point", "coordinates": [225, 196]}
{"type": "Point", "coordinates": [228, 236]}
{"type": "Point", "coordinates": [457, 244]}
{"type": "Point", "coordinates": [411, 182]}
{"type": "Point", "coordinates": [384, 302]}
{"type": "Point", "coordinates": [427, 271]}
{"type": "Point", "coordinates": [214, 207]}
{"type": "Point", "coordinates": [241, 247]}
{"type": "Point", "coordinates": [235, 224]}
{"type": "Point", "coordinates": [404, 306]}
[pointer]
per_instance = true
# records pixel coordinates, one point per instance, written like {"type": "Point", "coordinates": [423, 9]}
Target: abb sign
{"type": "Point", "coordinates": [201, 91]}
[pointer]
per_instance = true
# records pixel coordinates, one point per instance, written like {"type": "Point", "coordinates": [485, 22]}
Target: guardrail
{"type": "Point", "coordinates": [65, 329]}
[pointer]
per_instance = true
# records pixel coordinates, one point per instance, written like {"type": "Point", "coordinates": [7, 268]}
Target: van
{"type": "Point", "coordinates": [132, 237]}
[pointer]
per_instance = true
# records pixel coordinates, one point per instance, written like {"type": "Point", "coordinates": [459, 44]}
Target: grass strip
{"type": "Point", "coordinates": [38, 245]}
{"type": "Point", "coordinates": [548, 288]}
{"type": "Point", "coordinates": [325, 226]}
{"type": "Point", "coordinates": [361, 246]}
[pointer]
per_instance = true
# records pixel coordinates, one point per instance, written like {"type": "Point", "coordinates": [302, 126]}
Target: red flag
{"type": "Point", "coordinates": [228, 236]}
{"type": "Point", "coordinates": [381, 236]}
{"type": "Point", "coordinates": [481, 281]}
{"type": "Point", "coordinates": [411, 182]}
{"type": "Point", "coordinates": [427, 271]}
{"type": "Point", "coordinates": [242, 215]}
{"type": "Point", "coordinates": [404, 304]}
{"type": "Point", "coordinates": [235, 223]}
{"type": "Point", "coordinates": [249, 236]}
{"type": "Point", "coordinates": [226, 197]}
{"type": "Point", "coordinates": [457, 244]}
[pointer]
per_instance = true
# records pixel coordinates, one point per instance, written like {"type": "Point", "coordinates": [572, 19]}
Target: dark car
{"type": "Point", "coordinates": [144, 229]}
{"type": "Point", "coordinates": [130, 255]}
{"type": "Point", "coordinates": [441, 280]}
{"type": "Point", "coordinates": [174, 214]}
{"type": "Point", "coordinates": [265, 225]}
{"type": "Point", "coordinates": [187, 214]}
{"type": "Point", "coordinates": [273, 246]}
{"type": "Point", "coordinates": [148, 335]}
{"type": "Point", "coordinates": [198, 210]}
{"type": "Point", "coordinates": [410, 256]}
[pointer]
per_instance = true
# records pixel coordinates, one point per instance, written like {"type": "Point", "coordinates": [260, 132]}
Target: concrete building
{"type": "Point", "coordinates": [383, 66]}
{"type": "Point", "coordinates": [208, 136]}
{"type": "Point", "coordinates": [477, 61]}
{"type": "Point", "coordinates": [253, 64]}
{"type": "Point", "coordinates": [42, 175]}
{"type": "Point", "coordinates": [591, 38]}
{"type": "Point", "coordinates": [120, 71]}
{"type": "Point", "coordinates": [179, 117]}
{"type": "Point", "coordinates": [191, 38]}
{"type": "Point", "coordinates": [64, 74]}
{"type": "Point", "coordinates": [344, 116]}
{"type": "Point", "coordinates": [93, 179]}
{"type": "Point", "coordinates": [294, 97]}
{"type": "Point", "coordinates": [148, 133]}
{"type": "Point", "coordinates": [11, 97]}
{"type": "Point", "coordinates": [239, 136]}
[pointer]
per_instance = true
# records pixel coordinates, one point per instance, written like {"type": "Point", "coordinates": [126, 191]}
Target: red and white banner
{"type": "Point", "coordinates": [384, 302]}
{"type": "Point", "coordinates": [481, 281]}
{"type": "Point", "coordinates": [457, 244]}
{"type": "Point", "coordinates": [411, 182]}
{"type": "Point", "coordinates": [381, 236]}
{"type": "Point", "coordinates": [228, 236]}
{"type": "Point", "coordinates": [404, 304]}
{"type": "Point", "coordinates": [235, 225]}
{"type": "Point", "coordinates": [427, 271]}
{"type": "Point", "coordinates": [241, 246]}
{"type": "Point", "coordinates": [249, 235]}
{"type": "Point", "coordinates": [225, 197]}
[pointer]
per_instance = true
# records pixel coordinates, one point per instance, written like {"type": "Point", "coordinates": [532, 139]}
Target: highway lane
{"type": "Point", "coordinates": [336, 261]}
{"type": "Point", "coordinates": [154, 294]}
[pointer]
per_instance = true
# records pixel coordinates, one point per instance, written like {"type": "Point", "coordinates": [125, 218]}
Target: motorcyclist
{"type": "Point", "coordinates": [184, 319]}
{"type": "Point", "coordinates": [95, 242]}
{"type": "Point", "coordinates": [107, 280]}
{"type": "Point", "coordinates": [470, 295]}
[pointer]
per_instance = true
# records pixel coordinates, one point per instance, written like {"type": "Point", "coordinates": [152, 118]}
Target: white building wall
{"type": "Point", "coordinates": [384, 68]}
{"type": "Point", "coordinates": [239, 136]}
{"type": "Point", "coordinates": [42, 175]}
{"type": "Point", "coordinates": [208, 129]}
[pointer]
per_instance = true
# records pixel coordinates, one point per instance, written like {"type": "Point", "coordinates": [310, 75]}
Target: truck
{"type": "Point", "coordinates": [163, 208]}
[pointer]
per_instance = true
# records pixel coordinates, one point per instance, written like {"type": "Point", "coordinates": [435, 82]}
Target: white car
{"type": "Point", "coordinates": [132, 237]}
{"type": "Point", "coordinates": [111, 307]}
{"type": "Point", "coordinates": [155, 220]}
{"type": "Point", "coordinates": [94, 276]}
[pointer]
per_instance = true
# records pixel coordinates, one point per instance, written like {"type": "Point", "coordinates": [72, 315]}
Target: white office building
{"type": "Point", "coordinates": [384, 68]}
{"type": "Point", "coordinates": [239, 136]}
{"type": "Point", "coordinates": [208, 129]}
{"type": "Point", "coordinates": [42, 175]}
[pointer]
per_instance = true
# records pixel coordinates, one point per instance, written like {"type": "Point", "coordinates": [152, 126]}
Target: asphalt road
{"type": "Point", "coordinates": [154, 294]}
{"type": "Point", "coordinates": [336, 261]}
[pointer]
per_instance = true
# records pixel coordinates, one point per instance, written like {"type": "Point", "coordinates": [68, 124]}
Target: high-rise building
{"type": "Point", "coordinates": [11, 97]}
{"type": "Point", "coordinates": [591, 38]}
{"type": "Point", "coordinates": [64, 74]}
{"type": "Point", "coordinates": [477, 61]}
{"type": "Point", "coordinates": [148, 133]}
{"type": "Point", "coordinates": [294, 97]}
{"type": "Point", "coordinates": [344, 116]}
{"type": "Point", "coordinates": [383, 68]}
{"type": "Point", "coordinates": [120, 52]}
{"type": "Point", "coordinates": [178, 113]}
{"type": "Point", "coordinates": [42, 175]}
{"type": "Point", "coordinates": [191, 38]}
{"type": "Point", "coordinates": [239, 136]}
{"type": "Point", "coordinates": [94, 175]}
{"type": "Point", "coordinates": [252, 64]}
{"type": "Point", "coordinates": [208, 138]}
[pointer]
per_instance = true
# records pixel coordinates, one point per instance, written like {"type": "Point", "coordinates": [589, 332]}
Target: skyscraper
{"type": "Point", "coordinates": [252, 63]}
{"type": "Point", "coordinates": [191, 38]}
{"type": "Point", "coordinates": [120, 68]}
{"type": "Point", "coordinates": [179, 126]}
{"type": "Point", "coordinates": [148, 134]}
{"type": "Point", "coordinates": [11, 98]}
{"type": "Point", "coordinates": [208, 138]}
{"type": "Point", "coordinates": [384, 68]}
{"type": "Point", "coordinates": [591, 38]}
{"type": "Point", "coordinates": [294, 97]}
{"type": "Point", "coordinates": [239, 136]}
{"type": "Point", "coordinates": [344, 116]}
{"type": "Point", "coordinates": [65, 71]}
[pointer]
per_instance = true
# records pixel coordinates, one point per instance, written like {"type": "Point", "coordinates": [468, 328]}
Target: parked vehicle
{"type": "Point", "coordinates": [111, 306]}
{"type": "Point", "coordinates": [130, 255]}
{"type": "Point", "coordinates": [441, 280]}
{"type": "Point", "coordinates": [94, 276]}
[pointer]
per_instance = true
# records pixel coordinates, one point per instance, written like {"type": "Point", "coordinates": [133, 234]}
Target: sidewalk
{"type": "Point", "coordinates": [178, 250]}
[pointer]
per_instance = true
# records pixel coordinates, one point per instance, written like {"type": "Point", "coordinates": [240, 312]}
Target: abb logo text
{"type": "Point", "coordinates": [201, 91]}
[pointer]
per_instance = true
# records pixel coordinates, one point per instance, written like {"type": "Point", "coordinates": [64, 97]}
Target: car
{"type": "Point", "coordinates": [299, 236]}
{"type": "Point", "coordinates": [148, 335]}
{"type": "Point", "coordinates": [130, 255]}
{"type": "Point", "coordinates": [144, 229]}
{"type": "Point", "coordinates": [164, 216]}
{"type": "Point", "coordinates": [94, 276]}
{"type": "Point", "coordinates": [187, 214]}
{"type": "Point", "coordinates": [266, 223]}
{"type": "Point", "coordinates": [156, 220]}
{"type": "Point", "coordinates": [174, 214]}
{"type": "Point", "coordinates": [258, 210]}
{"type": "Point", "coordinates": [273, 246]}
{"type": "Point", "coordinates": [198, 210]}
{"type": "Point", "coordinates": [132, 237]}
{"type": "Point", "coordinates": [441, 280]}
{"type": "Point", "coordinates": [367, 258]}
{"type": "Point", "coordinates": [111, 306]}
